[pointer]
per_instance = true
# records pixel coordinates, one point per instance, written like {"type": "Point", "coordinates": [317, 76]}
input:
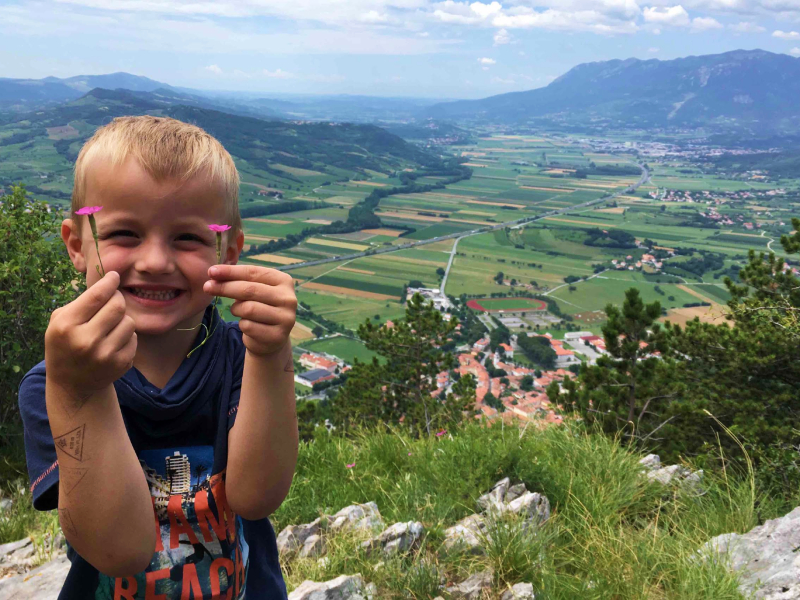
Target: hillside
{"type": "Point", "coordinates": [39, 148]}
{"type": "Point", "coordinates": [739, 89]}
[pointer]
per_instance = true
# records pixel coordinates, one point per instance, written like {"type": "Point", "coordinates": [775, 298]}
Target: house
{"type": "Point", "coordinates": [309, 378]}
{"type": "Point", "coordinates": [315, 361]}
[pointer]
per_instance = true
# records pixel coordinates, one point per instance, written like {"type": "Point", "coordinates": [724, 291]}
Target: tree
{"type": "Point", "coordinates": [440, 272]}
{"type": "Point", "coordinates": [624, 388]}
{"type": "Point", "coordinates": [318, 331]}
{"type": "Point", "coordinates": [499, 278]}
{"type": "Point", "coordinates": [526, 384]}
{"type": "Point", "coordinates": [399, 389]}
{"type": "Point", "coordinates": [538, 350]}
{"type": "Point", "coordinates": [36, 277]}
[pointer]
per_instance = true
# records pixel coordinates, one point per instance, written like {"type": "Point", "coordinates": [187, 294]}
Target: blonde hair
{"type": "Point", "coordinates": [165, 148]}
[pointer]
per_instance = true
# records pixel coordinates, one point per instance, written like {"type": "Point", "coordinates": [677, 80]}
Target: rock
{"type": "Point", "coordinates": [15, 551]}
{"type": "Point", "coordinates": [344, 587]}
{"type": "Point", "coordinates": [515, 491]}
{"type": "Point", "coordinates": [6, 504]}
{"type": "Point", "coordinates": [356, 517]}
{"type": "Point", "coordinates": [533, 505]}
{"type": "Point", "coordinates": [313, 546]}
{"type": "Point", "coordinates": [294, 537]}
{"type": "Point", "coordinates": [497, 495]}
{"type": "Point", "coordinates": [464, 534]}
{"type": "Point", "coordinates": [665, 475]}
{"type": "Point", "coordinates": [519, 591]}
{"type": "Point", "coordinates": [651, 462]}
{"type": "Point", "coordinates": [400, 537]}
{"type": "Point", "coordinates": [473, 587]}
{"type": "Point", "coordinates": [764, 557]}
{"type": "Point", "coordinates": [42, 583]}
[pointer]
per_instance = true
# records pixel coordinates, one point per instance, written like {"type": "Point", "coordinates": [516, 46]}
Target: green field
{"type": "Point", "coordinates": [345, 348]}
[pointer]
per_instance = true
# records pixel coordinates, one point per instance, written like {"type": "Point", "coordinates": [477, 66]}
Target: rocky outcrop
{"type": "Point", "coordinates": [472, 588]}
{"type": "Point", "coordinates": [344, 587]}
{"type": "Point", "coordinates": [308, 540]}
{"type": "Point", "coordinates": [672, 474]}
{"type": "Point", "coordinates": [42, 583]}
{"type": "Point", "coordinates": [502, 498]}
{"type": "Point", "coordinates": [765, 558]}
{"type": "Point", "coordinates": [400, 537]}
{"type": "Point", "coordinates": [519, 591]}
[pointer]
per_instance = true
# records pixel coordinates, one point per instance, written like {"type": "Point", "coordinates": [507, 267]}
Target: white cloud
{"type": "Point", "coordinates": [279, 74]}
{"type": "Point", "coordinates": [487, 61]}
{"type": "Point", "coordinates": [462, 13]}
{"type": "Point", "coordinates": [795, 51]}
{"type": "Point", "coordinates": [657, 31]}
{"type": "Point", "coordinates": [705, 23]}
{"type": "Point", "coordinates": [673, 15]}
{"type": "Point", "coordinates": [503, 81]}
{"type": "Point", "coordinates": [653, 50]}
{"type": "Point", "coordinates": [485, 68]}
{"type": "Point", "coordinates": [502, 37]}
{"type": "Point", "coordinates": [747, 27]}
{"type": "Point", "coordinates": [374, 16]}
{"type": "Point", "coordinates": [786, 35]}
{"type": "Point", "coordinates": [214, 69]}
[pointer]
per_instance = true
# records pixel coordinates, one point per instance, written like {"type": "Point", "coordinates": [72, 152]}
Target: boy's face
{"type": "Point", "coordinates": [156, 236]}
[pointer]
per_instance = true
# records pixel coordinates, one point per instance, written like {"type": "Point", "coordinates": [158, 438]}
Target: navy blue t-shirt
{"type": "Point", "coordinates": [180, 434]}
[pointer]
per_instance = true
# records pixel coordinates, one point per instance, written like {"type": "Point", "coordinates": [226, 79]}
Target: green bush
{"type": "Point", "coordinates": [36, 277]}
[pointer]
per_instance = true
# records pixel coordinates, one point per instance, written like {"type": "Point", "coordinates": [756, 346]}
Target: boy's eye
{"type": "Point", "coordinates": [121, 232]}
{"type": "Point", "coordinates": [190, 236]}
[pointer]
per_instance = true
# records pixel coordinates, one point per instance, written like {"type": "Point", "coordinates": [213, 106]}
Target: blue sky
{"type": "Point", "coordinates": [419, 48]}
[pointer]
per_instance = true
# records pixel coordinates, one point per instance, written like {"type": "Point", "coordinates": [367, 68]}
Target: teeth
{"type": "Point", "coordinates": [151, 295]}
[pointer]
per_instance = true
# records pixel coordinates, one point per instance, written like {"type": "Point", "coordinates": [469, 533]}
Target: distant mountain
{"type": "Point", "coordinates": [750, 89]}
{"type": "Point", "coordinates": [45, 143]}
{"type": "Point", "coordinates": [22, 95]}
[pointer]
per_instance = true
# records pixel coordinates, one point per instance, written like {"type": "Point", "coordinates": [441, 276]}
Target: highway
{"type": "Point", "coordinates": [462, 234]}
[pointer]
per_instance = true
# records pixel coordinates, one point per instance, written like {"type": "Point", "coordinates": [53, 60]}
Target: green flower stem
{"type": "Point", "coordinates": [93, 224]}
{"type": "Point", "coordinates": [214, 304]}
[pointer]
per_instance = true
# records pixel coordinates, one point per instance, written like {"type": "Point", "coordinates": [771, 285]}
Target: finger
{"type": "Point", "coordinates": [108, 317]}
{"type": "Point", "coordinates": [96, 297]}
{"type": "Point", "coordinates": [248, 273]}
{"type": "Point", "coordinates": [256, 311]}
{"type": "Point", "coordinates": [267, 335]}
{"type": "Point", "coordinates": [119, 337]}
{"type": "Point", "coordinates": [245, 290]}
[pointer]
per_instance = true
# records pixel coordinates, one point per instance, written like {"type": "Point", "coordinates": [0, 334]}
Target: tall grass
{"type": "Point", "coordinates": [613, 533]}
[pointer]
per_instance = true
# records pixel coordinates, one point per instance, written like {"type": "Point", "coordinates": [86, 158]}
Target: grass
{"type": "Point", "coordinates": [613, 534]}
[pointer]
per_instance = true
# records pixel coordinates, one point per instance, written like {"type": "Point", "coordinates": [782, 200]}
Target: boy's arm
{"type": "Point", "coordinates": [262, 444]}
{"type": "Point", "coordinates": [104, 503]}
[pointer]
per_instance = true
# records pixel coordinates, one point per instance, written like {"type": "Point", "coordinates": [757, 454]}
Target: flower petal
{"type": "Point", "coordinates": [88, 210]}
{"type": "Point", "coordinates": [219, 228]}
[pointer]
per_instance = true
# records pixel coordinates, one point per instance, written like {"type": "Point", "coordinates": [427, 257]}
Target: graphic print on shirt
{"type": "Point", "coordinates": [200, 552]}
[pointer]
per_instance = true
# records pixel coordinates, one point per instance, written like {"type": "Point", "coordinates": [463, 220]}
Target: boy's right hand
{"type": "Point", "coordinates": [90, 342]}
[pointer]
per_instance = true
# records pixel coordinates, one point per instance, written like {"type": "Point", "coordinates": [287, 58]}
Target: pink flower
{"type": "Point", "coordinates": [351, 465]}
{"type": "Point", "coordinates": [88, 210]}
{"type": "Point", "coordinates": [219, 228]}
{"type": "Point", "coordinates": [440, 433]}
{"type": "Point", "coordinates": [409, 453]}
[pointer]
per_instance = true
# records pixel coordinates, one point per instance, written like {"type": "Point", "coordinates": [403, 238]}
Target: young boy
{"type": "Point", "coordinates": [163, 466]}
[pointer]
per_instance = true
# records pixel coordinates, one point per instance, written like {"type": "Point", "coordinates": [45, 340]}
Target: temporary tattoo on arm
{"type": "Point", "coordinates": [69, 478]}
{"type": "Point", "coordinates": [289, 367]}
{"type": "Point", "coordinates": [66, 522]}
{"type": "Point", "coordinates": [71, 443]}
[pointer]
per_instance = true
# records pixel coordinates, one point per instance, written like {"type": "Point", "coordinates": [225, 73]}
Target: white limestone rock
{"type": "Point", "coordinates": [344, 587]}
{"type": "Point", "coordinates": [765, 557]}
{"type": "Point", "coordinates": [471, 588]}
{"type": "Point", "coordinates": [293, 537]}
{"type": "Point", "coordinates": [651, 462]}
{"type": "Point", "coordinates": [356, 517]}
{"type": "Point", "coordinates": [464, 535]}
{"type": "Point", "coordinates": [519, 591]}
{"type": "Point", "coordinates": [398, 538]}
{"type": "Point", "coordinates": [497, 495]}
{"type": "Point", "coordinates": [313, 546]}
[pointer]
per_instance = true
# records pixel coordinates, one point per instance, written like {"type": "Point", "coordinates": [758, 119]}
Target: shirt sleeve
{"type": "Point", "coordinates": [40, 450]}
{"type": "Point", "coordinates": [237, 352]}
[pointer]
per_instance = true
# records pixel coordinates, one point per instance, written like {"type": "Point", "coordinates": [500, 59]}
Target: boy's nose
{"type": "Point", "coordinates": [154, 257]}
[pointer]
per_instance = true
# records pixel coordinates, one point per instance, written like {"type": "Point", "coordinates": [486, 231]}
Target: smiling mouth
{"type": "Point", "coordinates": [154, 295]}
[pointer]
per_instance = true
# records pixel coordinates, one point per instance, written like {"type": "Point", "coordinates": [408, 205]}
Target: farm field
{"type": "Point", "coordinates": [345, 348]}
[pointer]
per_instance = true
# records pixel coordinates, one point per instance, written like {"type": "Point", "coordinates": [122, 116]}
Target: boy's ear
{"type": "Point", "coordinates": [74, 244]}
{"type": "Point", "coordinates": [234, 248]}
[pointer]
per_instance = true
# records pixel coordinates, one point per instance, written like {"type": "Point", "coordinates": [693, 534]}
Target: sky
{"type": "Point", "coordinates": [415, 48]}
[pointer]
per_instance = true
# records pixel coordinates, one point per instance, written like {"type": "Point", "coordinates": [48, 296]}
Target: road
{"type": "Point", "coordinates": [459, 235]}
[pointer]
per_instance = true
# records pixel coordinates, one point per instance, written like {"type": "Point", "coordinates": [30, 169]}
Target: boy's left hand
{"type": "Point", "coordinates": [265, 303]}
